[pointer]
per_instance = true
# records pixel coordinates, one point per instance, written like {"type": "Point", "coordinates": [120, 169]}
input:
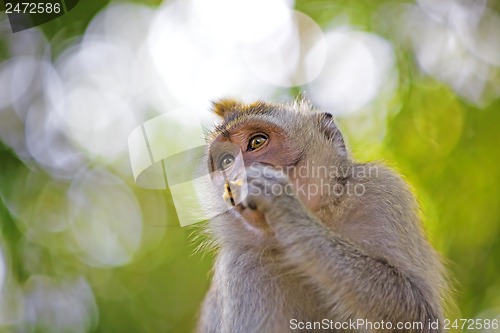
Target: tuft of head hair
{"type": "Point", "coordinates": [224, 107]}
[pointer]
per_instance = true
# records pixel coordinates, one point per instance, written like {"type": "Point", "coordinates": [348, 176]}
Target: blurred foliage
{"type": "Point", "coordinates": [445, 145]}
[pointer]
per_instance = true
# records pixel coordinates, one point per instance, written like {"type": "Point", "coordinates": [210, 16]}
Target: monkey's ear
{"type": "Point", "coordinates": [224, 106]}
{"type": "Point", "coordinates": [332, 132]}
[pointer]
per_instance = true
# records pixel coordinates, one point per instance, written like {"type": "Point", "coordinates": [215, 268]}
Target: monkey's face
{"type": "Point", "coordinates": [292, 139]}
{"type": "Point", "coordinates": [252, 142]}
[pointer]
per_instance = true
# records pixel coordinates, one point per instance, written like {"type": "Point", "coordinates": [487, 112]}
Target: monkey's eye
{"type": "Point", "coordinates": [256, 142]}
{"type": "Point", "coordinates": [226, 161]}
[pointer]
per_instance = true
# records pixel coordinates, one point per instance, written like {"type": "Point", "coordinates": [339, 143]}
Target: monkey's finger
{"type": "Point", "coordinates": [255, 191]}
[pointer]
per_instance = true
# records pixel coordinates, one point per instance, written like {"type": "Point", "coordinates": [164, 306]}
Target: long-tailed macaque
{"type": "Point", "coordinates": [316, 242]}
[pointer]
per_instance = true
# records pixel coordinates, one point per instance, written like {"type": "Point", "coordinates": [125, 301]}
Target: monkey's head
{"type": "Point", "coordinates": [296, 139]}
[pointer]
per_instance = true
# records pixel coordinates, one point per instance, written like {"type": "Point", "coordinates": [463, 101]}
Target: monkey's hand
{"type": "Point", "coordinates": [338, 268]}
{"type": "Point", "coordinates": [267, 188]}
{"type": "Point", "coordinates": [271, 193]}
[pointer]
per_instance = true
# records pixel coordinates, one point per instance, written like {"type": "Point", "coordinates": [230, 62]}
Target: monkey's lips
{"type": "Point", "coordinates": [253, 218]}
{"type": "Point", "coordinates": [232, 188]}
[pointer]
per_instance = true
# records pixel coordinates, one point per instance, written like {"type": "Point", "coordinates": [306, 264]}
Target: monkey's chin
{"type": "Point", "coordinates": [253, 220]}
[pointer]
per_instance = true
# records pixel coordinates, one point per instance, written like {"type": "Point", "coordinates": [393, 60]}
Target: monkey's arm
{"type": "Point", "coordinates": [365, 287]}
{"type": "Point", "coordinates": [210, 317]}
{"type": "Point", "coordinates": [357, 284]}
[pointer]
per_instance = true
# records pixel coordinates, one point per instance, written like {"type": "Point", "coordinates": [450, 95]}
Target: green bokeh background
{"type": "Point", "coordinates": [447, 148]}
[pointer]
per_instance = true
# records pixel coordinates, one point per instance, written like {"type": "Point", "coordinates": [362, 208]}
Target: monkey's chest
{"type": "Point", "coordinates": [263, 298]}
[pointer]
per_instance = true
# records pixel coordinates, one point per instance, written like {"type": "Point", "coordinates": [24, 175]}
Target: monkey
{"type": "Point", "coordinates": [299, 252]}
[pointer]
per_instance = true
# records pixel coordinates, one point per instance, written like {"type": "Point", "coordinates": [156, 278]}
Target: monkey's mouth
{"type": "Point", "coordinates": [253, 219]}
{"type": "Point", "coordinates": [229, 195]}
